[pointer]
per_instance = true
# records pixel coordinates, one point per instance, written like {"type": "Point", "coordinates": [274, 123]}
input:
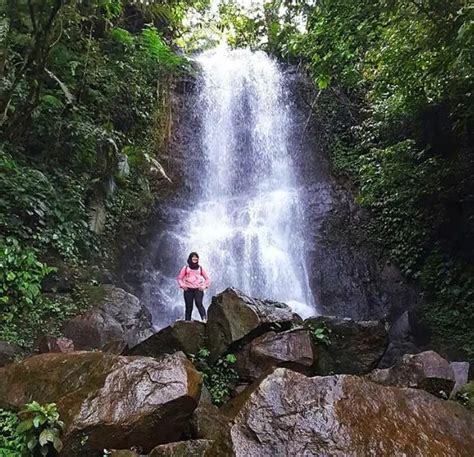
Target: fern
{"type": "Point", "coordinates": [121, 36]}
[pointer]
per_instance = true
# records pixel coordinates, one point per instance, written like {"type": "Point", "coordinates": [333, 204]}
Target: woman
{"type": "Point", "coordinates": [194, 281]}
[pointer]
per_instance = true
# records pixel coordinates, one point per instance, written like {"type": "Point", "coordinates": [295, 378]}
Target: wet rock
{"type": "Point", "coordinates": [52, 344]}
{"type": "Point", "coordinates": [234, 318]}
{"type": "Point", "coordinates": [117, 321]}
{"type": "Point", "coordinates": [8, 353]}
{"type": "Point", "coordinates": [427, 371]}
{"type": "Point", "coordinates": [191, 448]}
{"type": "Point", "coordinates": [292, 349]}
{"type": "Point", "coordinates": [461, 376]}
{"type": "Point", "coordinates": [289, 414]}
{"type": "Point", "coordinates": [207, 422]}
{"type": "Point", "coordinates": [107, 401]}
{"type": "Point", "coordinates": [186, 336]}
{"type": "Point", "coordinates": [356, 347]}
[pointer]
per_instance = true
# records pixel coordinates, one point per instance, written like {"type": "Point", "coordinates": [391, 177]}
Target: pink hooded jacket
{"type": "Point", "coordinates": [193, 279]}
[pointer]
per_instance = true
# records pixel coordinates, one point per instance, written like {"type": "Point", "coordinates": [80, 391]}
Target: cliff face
{"type": "Point", "coordinates": [348, 277]}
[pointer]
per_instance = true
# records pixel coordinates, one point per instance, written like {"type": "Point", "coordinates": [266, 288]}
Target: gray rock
{"type": "Point", "coordinates": [461, 376]}
{"type": "Point", "coordinates": [117, 321]}
{"type": "Point", "coordinates": [52, 344]}
{"type": "Point", "coordinates": [427, 371]}
{"type": "Point", "coordinates": [191, 448]}
{"type": "Point", "coordinates": [356, 347]}
{"type": "Point", "coordinates": [291, 349]}
{"type": "Point", "coordinates": [233, 318]}
{"type": "Point", "coordinates": [289, 414]}
{"type": "Point", "coordinates": [8, 353]}
{"type": "Point", "coordinates": [186, 336]}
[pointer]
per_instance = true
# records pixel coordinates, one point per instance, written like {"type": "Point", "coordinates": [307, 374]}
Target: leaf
{"type": "Point", "coordinates": [47, 435]}
{"type": "Point", "coordinates": [24, 426]}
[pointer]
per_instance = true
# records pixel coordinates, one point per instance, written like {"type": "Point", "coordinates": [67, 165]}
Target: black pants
{"type": "Point", "coordinates": [190, 296]}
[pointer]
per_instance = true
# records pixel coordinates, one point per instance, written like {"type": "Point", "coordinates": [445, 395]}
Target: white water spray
{"type": "Point", "coordinates": [245, 219]}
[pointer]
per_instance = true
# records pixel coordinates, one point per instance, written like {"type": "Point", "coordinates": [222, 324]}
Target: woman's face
{"type": "Point", "coordinates": [194, 259]}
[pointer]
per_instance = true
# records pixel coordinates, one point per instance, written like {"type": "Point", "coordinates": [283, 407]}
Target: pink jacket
{"type": "Point", "coordinates": [193, 279]}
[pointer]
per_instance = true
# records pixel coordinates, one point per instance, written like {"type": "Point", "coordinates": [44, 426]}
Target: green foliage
{"type": "Point", "coordinates": [42, 428]}
{"type": "Point", "coordinates": [397, 79]}
{"type": "Point", "coordinates": [12, 444]}
{"type": "Point", "coordinates": [22, 306]}
{"type": "Point", "coordinates": [320, 334]}
{"type": "Point", "coordinates": [83, 116]}
{"type": "Point", "coordinates": [466, 396]}
{"type": "Point", "coordinates": [219, 377]}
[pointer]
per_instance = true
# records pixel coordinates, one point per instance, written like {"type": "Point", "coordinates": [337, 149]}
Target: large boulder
{"type": "Point", "coordinates": [191, 448]}
{"type": "Point", "coordinates": [427, 371]}
{"type": "Point", "coordinates": [118, 320]}
{"type": "Point", "coordinates": [186, 336]}
{"type": "Point", "coordinates": [291, 349]}
{"type": "Point", "coordinates": [234, 318]}
{"type": "Point", "coordinates": [8, 353]}
{"type": "Point", "coordinates": [107, 401]}
{"type": "Point", "coordinates": [289, 414]}
{"type": "Point", "coordinates": [355, 347]}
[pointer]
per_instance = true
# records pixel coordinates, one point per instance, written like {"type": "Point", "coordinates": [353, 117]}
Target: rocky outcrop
{"type": "Point", "coordinates": [233, 317]}
{"type": "Point", "coordinates": [427, 371]}
{"type": "Point", "coordinates": [119, 320]}
{"type": "Point", "coordinates": [107, 401]}
{"type": "Point", "coordinates": [355, 347]}
{"type": "Point", "coordinates": [461, 376]}
{"type": "Point", "coordinates": [8, 353]}
{"type": "Point", "coordinates": [288, 413]}
{"type": "Point", "coordinates": [191, 448]}
{"type": "Point", "coordinates": [291, 349]}
{"type": "Point", "coordinates": [186, 336]}
{"type": "Point", "coordinates": [51, 344]}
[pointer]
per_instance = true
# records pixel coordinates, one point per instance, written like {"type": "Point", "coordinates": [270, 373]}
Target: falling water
{"type": "Point", "coordinates": [243, 216]}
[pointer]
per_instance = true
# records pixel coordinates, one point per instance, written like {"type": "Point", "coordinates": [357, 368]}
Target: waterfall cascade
{"type": "Point", "coordinates": [243, 214]}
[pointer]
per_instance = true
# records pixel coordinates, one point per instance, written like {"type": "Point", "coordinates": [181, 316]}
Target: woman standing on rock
{"type": "Point", "coordinates": [194, 280]}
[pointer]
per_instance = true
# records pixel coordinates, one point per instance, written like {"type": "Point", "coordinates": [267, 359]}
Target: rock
{"type": "Point", "coordinates": [427, 371]}
{"type": "Point", "coordinates": [107, 401]}
{"type": "Point", "coordinates": [51, 344]}
{"type": "Point", "coordinates": [207, 422]}
{"type": "Point", "coordinates": [461, 376]}
{"type": "Point", "coordinates": [8, 353]}
{"type": "Point", "coordinates": [291, 349]}
{"type": "Point", "coordinates": [234, 318]}
{"type": "Point", "coordinates": [356, 347]}
{"type": "Point", "coordinates": [395, 352]}
{"type": "Point", "coordinates": [401, 342]}
{"type": "Point", "coordinates": [191, 448]}
{"type": "Point", "coordinates": [289, 414]}
{"type": "Point", "coordinates": [122, 453]}
{"type": "Point", "coordinates": [186, 336]}
{"type": "Point", "coordinates": [118, 320]}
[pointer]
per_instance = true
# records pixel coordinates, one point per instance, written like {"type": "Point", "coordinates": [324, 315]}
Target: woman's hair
{"type": "Point", "coordinates": [193, 254]}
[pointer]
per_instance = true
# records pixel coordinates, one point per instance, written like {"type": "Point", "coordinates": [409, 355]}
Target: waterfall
{"type": "Point", "coordinates": [243, 214]}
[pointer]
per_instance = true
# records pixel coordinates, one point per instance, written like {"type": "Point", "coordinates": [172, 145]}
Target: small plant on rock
{"type": "Point", "coordinates": [219, 377]}
{"type": "Point", "coordinates": [42, 428]}
{"type": "Point", "coordinates": [320, 334]}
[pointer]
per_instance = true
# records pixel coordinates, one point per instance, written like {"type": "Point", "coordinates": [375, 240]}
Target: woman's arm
{"type": "Point", "coordinates": [180, 278]}
{"type": "Point", "coordinates": [207, 281]}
